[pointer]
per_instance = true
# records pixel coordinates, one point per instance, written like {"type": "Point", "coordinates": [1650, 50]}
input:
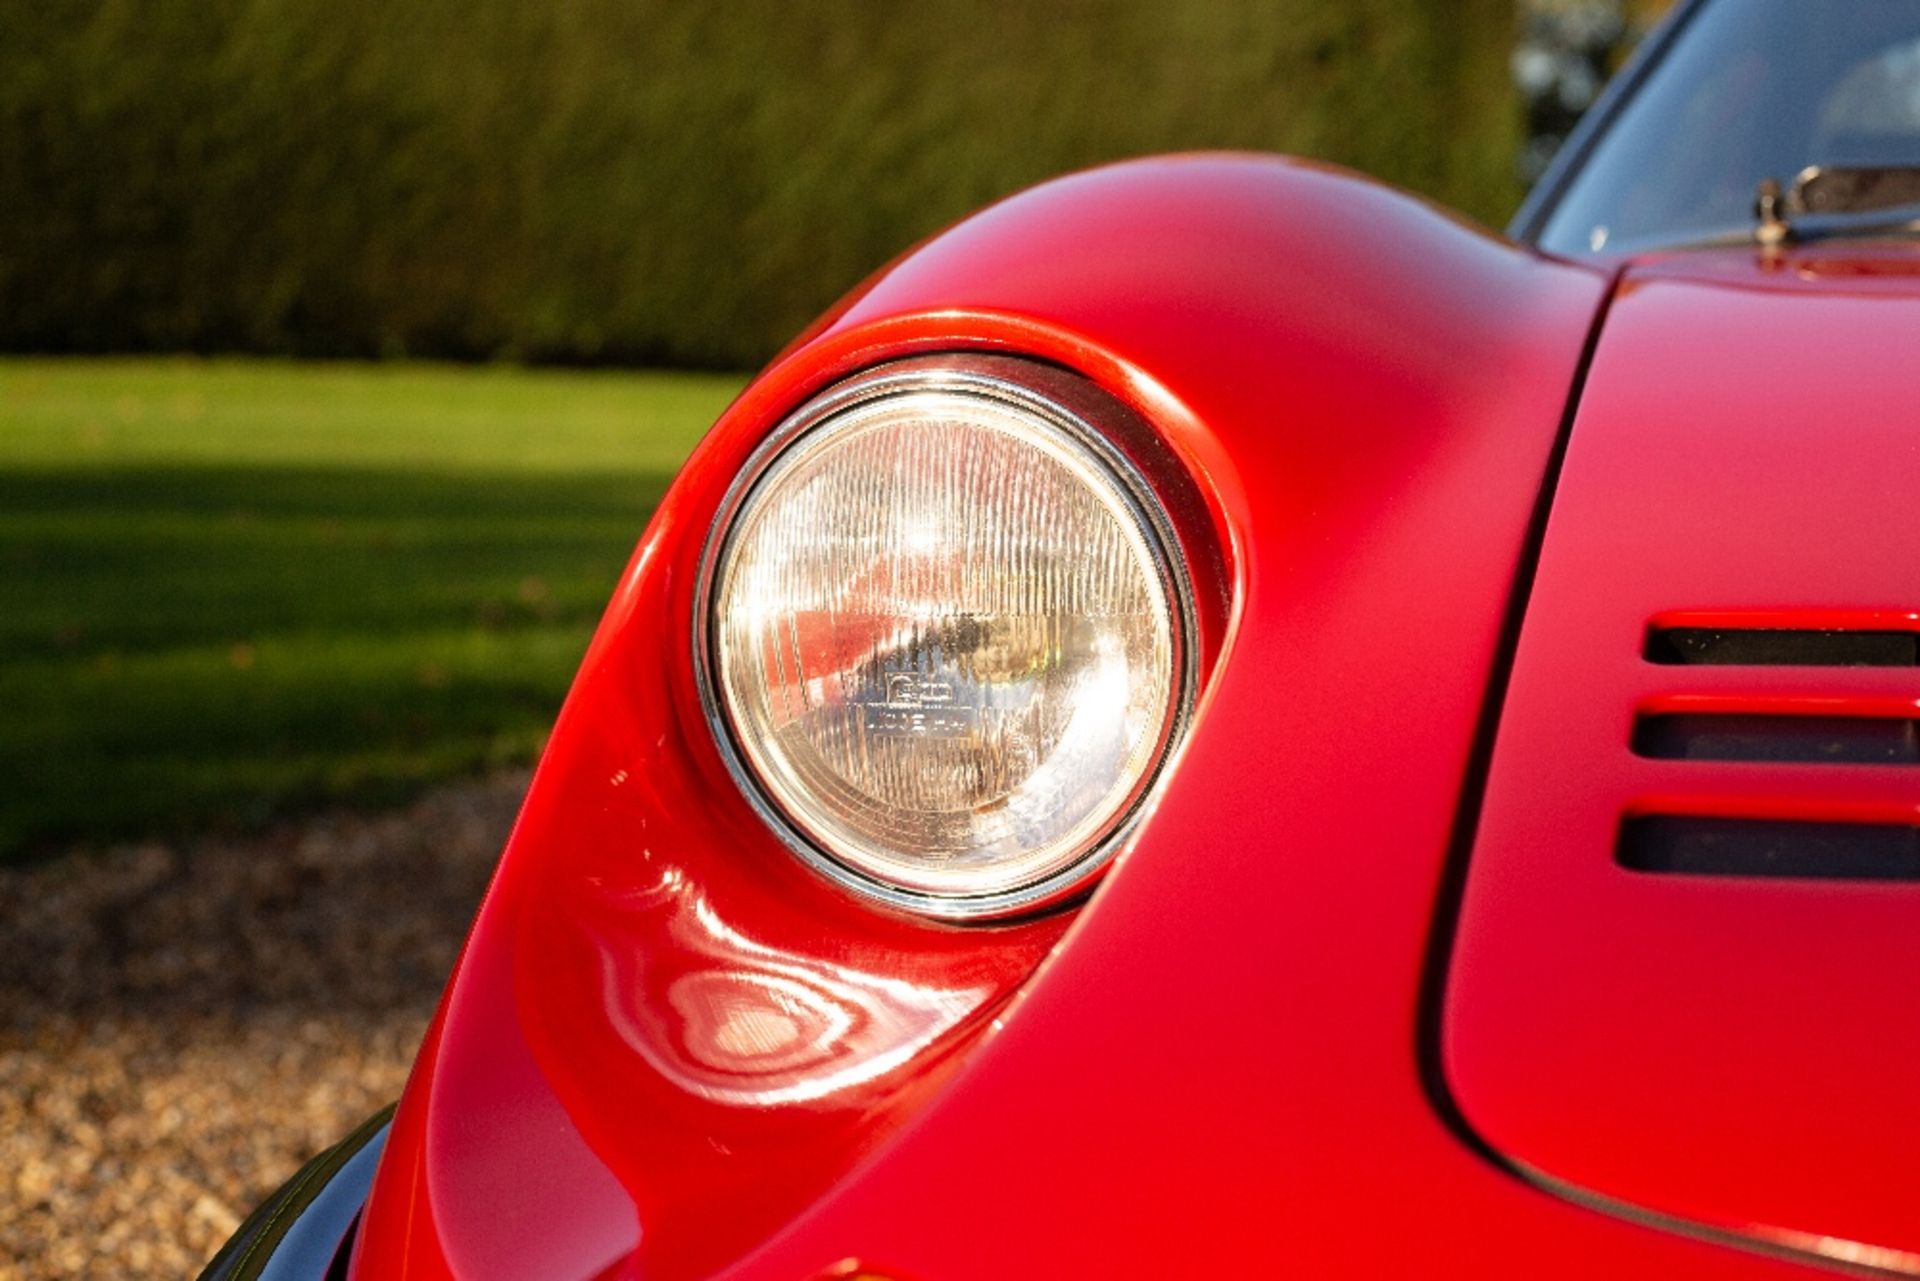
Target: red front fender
{"type": "Point", "coordinates": [1214, 1067]}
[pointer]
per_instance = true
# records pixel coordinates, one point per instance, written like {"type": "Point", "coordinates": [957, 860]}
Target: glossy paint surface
{"type": "Point", "coordinates": [1737, 1051]}
{"type": "Point", "coordinates": [1218, 1065]}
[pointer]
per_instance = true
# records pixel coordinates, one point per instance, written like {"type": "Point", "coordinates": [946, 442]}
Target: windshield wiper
{"type": "Point", "coordinates": [1837, 202]}
{"type": "Point", "coordinates": [1826, 202]}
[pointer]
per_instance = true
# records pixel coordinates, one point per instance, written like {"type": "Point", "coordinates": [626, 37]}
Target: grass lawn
{"type": "Point", "coordinates": [232, 588]}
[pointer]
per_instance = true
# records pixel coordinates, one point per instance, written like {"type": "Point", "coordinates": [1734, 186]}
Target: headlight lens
{"type": "Point", "coordinates": [947, 635]}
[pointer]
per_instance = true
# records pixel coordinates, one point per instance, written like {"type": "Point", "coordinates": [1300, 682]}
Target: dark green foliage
{"type": "Point", "coordinates": [682, 182]}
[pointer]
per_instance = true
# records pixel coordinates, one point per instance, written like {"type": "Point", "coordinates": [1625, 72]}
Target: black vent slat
{"type": "Point", "coordinates": [1766, 847]}
{"type": "Point", "coordinates": [1781, 647]}
{"type": "Point", "coordinates": [1837, 740]}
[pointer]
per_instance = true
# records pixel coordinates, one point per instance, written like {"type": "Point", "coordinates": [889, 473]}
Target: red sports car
{"type": "Point", "coordinates": [1215, 720]}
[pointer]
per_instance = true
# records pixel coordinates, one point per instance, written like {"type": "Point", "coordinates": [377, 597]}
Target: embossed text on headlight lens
{"type": "Point", "coordinates": [947, 639]}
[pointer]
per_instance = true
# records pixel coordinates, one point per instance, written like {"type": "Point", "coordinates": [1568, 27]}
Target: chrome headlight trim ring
{"type": "Point", "coordinates": [997, 379]}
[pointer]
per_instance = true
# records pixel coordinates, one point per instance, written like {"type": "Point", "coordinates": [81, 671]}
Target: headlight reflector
{"type": "Point", "coordinates": [947, 633]}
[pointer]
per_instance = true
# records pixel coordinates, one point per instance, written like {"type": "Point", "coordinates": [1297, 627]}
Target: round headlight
{"type": "Point", "coordinates": [947, 632]}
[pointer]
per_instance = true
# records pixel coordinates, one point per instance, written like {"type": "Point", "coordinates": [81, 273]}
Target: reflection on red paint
{"type": "Point", "coordinates": [743, 1024]}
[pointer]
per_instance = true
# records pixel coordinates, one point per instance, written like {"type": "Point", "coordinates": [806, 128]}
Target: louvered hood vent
{"type": "Point", "coordinates": [1811, 719]}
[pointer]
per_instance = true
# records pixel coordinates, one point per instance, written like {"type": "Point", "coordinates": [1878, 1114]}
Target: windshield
{"type": "Point", "coordinates": [1751, 89]}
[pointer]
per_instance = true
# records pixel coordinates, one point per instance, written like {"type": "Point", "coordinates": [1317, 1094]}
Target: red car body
{"type": "Point", "coordinates": [1372, 990]}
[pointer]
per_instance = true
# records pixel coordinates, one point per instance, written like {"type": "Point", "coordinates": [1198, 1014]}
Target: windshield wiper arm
{"type": "Point", "coordinates": [1831, 202]}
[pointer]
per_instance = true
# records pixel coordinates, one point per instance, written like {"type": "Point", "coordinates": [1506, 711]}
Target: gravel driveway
{"type": "Point", "coordinates": [181, 1026]}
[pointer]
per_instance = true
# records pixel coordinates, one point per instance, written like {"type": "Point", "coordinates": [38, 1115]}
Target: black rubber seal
{"type": "Point", "coordinates": [252, 1248]}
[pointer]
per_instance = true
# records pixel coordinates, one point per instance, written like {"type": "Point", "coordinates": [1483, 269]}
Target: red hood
{"type": "Point", "coordinates": [1736, 1048]}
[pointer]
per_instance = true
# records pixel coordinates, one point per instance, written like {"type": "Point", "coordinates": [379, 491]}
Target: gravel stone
{"type": "Point", "coordinates": [183, 1025]}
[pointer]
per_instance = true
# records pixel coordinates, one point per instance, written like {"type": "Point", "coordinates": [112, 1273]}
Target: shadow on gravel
{"type": "Point", "coordinates": [183, 1024]}
{"type": "Point", "coordinates": [341, 912]}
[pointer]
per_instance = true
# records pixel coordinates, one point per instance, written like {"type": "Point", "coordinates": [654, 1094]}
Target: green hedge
{"type": "Point", "coordinates": [675, 181]}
